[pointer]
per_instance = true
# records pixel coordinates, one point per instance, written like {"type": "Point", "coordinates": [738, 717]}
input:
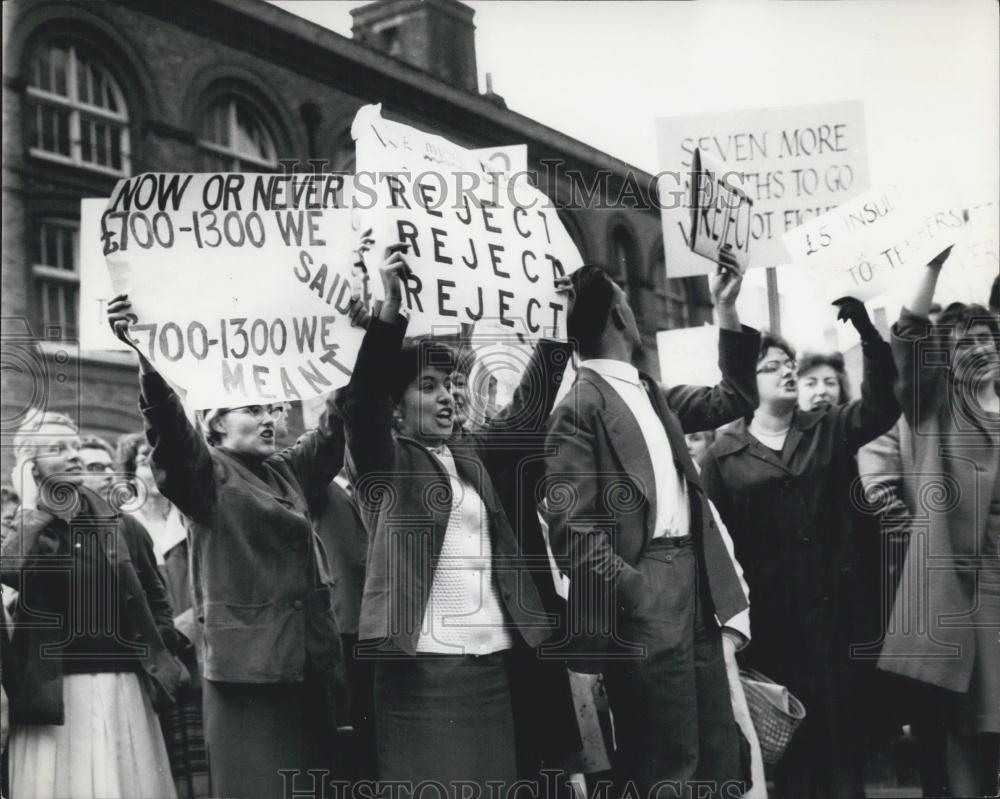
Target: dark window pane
{"type": "Point", "coordinates": [48, 129]}
{"type": "Point", "coordinates": [84, 81]}
{"type": "Point", "coordinates": [62, 132]}
{"type": "Point", "coordinates": [101, 136]}
{"type": "Point", "coordinates": [40, 70]}
{"type": "Point", "coordinates": [50, 246]}
{"type": "Point", "coordinates": [86, 140]}
{"type": "Point", "coordinates": [70, 302]}
{"type": "Point", "coordinates": [68, 255]}
{"type": "Point", "coordinates": [59, 60]}
{"type": "Point", "coordinates": [116, 149]}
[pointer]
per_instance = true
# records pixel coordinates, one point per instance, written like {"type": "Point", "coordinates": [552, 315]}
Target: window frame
{"type": "Point", "coordinates": [49, 273]}
{"type": "Point", "coordinates": [39, 98]}
{"type": "Point", "coordinates": [232, 99]}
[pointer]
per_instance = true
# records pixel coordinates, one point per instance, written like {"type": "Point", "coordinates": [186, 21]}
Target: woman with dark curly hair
{"type": "Point", "coordinates": [449, 598]}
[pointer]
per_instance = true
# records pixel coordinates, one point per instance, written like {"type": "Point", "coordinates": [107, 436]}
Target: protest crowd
{"type": "Point", "coordinates": [604, 586]}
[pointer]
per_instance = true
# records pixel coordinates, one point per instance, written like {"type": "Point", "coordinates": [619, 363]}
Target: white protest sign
{"type": "Point", "coordinates": [859, 248]}
{"type": "Point", "coordinates": [95, 283]}
{"type": "Point", "coordinates": [795, 164]}
{"type": "Point", "coordinates": [720, 212]}
{"type": "Point", "coordinates": [239, 282]}
{"type": "Point", "coordinates": [481, 248]}
{"type": "Point", "coordinates": [688, 356]}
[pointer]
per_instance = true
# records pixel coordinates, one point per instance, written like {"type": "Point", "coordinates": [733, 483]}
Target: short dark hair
{"type": "Point", "coordinates": [595, 296]}
{"type": "Point", "coordinates": [835, 361]}
{"type": "Point", "coordinates": [994, 300]}
{"type": "Point", "coordinates": [415, 356]}
{"type": "Point", "coordinates": [769, 340]}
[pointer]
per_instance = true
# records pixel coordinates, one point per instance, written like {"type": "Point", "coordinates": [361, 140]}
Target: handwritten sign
{"type": "Point", "coordinates": [795, 164]}
{"type": "Point", "coordinates": [240, 282]}
{"type": "Point", "coordinates": [720, 212]}
{"type": "Point", "coordinates": [860, 248]}
{"type": "Point", "coordinates": [482, 249]}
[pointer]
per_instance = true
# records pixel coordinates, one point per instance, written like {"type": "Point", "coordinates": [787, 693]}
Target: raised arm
{"type": "Point", "coordinates": [920, 383]}
{"type": "Point", "coordinates": [706, 408]}
{"type": "Point", "coordinates": [366, 404]}
{"type": "Point", "coordinates": [863, 420]}
{"type": "Point", "coordinates": [181, 460]}
{"type": "Point", "coordinates": [319, 455]}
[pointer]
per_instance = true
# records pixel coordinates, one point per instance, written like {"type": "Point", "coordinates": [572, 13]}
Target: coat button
{"type": "Point", "coordinates": [669, 558]}
{"type": "Point", "coordinates": [297, 604]}
{"type": "Point", "coordinates": [152, 669]}
{"type": "Point", "coordinates": [806, 541]}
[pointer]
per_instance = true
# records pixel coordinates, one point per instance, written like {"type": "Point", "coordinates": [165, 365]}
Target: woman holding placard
{"type": "Point", "coordinates": [449, 596]}
{"type": "Point", "coordinates": [261, 583]}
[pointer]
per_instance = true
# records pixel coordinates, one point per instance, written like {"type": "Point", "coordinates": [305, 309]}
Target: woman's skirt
{"type": "Point", "coordinates": [445, 719]}
{"type": "Point", "coordinates": [109, 748]}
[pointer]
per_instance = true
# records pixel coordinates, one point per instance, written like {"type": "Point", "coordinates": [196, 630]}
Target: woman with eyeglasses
{"type": "Point", "coordinates": [782, 482]}
{"type": "Point", "coordinates": [449, 600]}
{"type": "Point", "coordinates": [262, 591]}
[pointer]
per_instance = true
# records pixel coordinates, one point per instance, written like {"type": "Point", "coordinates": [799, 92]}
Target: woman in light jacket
{"type": "Point", "coordinates": [448, 593]}
{"type": "Point", "coordinates": [261, 582]}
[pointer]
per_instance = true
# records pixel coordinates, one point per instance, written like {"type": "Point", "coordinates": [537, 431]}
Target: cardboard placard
{"type": "Point", "coordinates": [861, 248]}
{"type": "Point", "coordinates": [720, 212]}
{"type": "Point", "coordinates": [796, 163]}
{"type": "Point", "coordinates": [482, 249]}
{"type": "Point", "coordinates": [239, 282]}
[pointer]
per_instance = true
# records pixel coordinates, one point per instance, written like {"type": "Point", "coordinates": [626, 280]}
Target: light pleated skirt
{"type": "Point", "coordinates": [110, 747]}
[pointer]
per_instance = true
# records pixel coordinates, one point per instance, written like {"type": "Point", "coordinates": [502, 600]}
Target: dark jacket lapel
{"type": "Point", "coordinates": [627, 442]}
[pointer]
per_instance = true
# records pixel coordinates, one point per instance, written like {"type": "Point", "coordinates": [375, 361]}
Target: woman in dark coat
{"type": "Point", "coordinates": [92, 649]}
{"type": "Point", "coordinates": [449, 599]}
{"type": "Point", "coordinates": [262, 590]}
{"type": "Point", "coordinates": [782, 485]}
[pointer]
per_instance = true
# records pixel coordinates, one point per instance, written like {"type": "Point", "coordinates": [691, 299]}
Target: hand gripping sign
{"type": "Point", "coordinates": [239, 282]}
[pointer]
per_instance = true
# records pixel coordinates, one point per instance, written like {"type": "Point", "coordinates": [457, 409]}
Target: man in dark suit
{"type": "Point", "coordinates": [650, 578]}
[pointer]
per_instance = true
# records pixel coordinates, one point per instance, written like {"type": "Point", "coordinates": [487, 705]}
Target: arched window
{"type": "Point", "coordinates": [234, 138]}
{"type": "Point", "coordinates": [77, 113]}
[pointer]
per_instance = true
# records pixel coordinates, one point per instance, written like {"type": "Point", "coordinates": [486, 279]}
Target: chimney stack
{"type": "Point", "coordinates": [437, 36]}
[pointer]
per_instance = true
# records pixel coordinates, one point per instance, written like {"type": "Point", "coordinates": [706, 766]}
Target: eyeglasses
{"type": "Point", "coordinates": [770, 367]}
{"type": "Point", "coordinates": [99, 467]}
{"type": "Point", "coordinates": [276, 412]}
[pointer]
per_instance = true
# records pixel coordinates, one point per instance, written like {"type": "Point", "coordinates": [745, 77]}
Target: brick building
{"type": "Point", "coordinates": [98, 90]}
